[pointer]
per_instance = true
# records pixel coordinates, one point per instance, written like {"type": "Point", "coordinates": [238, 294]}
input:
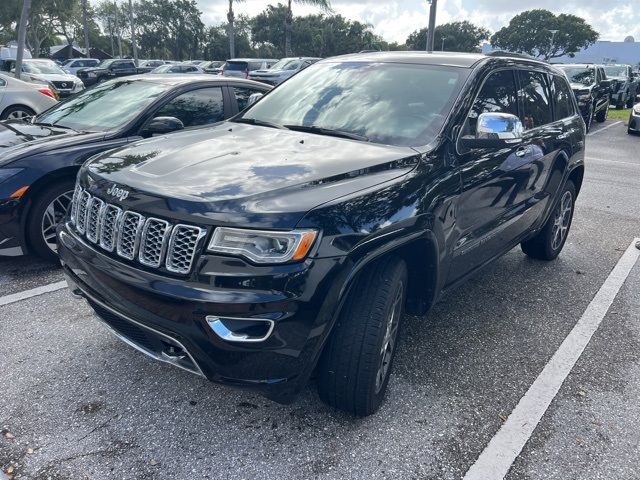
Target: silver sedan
{"type": "Point", "coordinates": [20, 99]}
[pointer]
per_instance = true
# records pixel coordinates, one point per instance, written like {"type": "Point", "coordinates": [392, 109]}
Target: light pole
{"type": "Point", "coordinates": [442, 47]}
{"type": "Point", "coordinates": [118, 30]}
{"type": "Point", "coordinates": [431, 32]}
{"type": "Point", "coordinates": [133, 34]}
{"type": "Point", "coordinates": [553, 34]}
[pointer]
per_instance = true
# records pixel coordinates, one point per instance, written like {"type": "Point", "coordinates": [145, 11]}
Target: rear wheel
{"type": "Point", "coordinates": [589, 120]}
{"type": "Point", "coordinates": [548, 243]}
{"type": "Point", "coordinates": [49, 209]}
{"type": "Point", "coordinates": [354, 369]}
{"type": "Point", "coordinates": [631, 100]}
{"type": "Point", "coordinates": [17, 112]}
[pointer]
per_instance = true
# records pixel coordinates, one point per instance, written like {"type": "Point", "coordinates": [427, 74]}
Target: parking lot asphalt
{"type": "Point", "coordinates": [81, 404]}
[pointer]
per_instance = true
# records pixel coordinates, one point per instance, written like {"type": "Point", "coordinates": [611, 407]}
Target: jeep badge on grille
{"type": "Point", "coordinates": [119, 193]}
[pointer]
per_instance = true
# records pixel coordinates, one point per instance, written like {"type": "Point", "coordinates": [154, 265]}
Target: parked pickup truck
{"type": "Point", "coordinates": [108, 69]}
{"type": "Point", "coordinates": [625, 85]}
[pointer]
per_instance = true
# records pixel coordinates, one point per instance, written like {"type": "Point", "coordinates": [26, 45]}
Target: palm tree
{"type": "Point", "coordinates": [324, 5]}
{"type": "Point", "coordinates": [232, 32]}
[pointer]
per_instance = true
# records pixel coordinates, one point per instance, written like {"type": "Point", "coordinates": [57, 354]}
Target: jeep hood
{"type": "Point", "coordinates": [245, 168]}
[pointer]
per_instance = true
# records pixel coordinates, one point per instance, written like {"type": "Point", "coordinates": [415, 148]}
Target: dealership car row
{"type": "Point", "coordinates": [293, 224]}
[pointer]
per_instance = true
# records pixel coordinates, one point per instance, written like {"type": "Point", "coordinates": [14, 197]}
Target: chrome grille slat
{"type": "Point", "coordinates": [154, 240]}
{"type": "Point", "coordinates": [182, 248]}
{"type": "Point", "coordinates": [110, 225]}
{"type": "Point", "coordinates": [129, 234]}
{"type": "Point", "coordinates": [94, 214]}
{"type": "Point", "coordinates": [82, 211]}
{"type": "Point", "coordinates": [151, 241]}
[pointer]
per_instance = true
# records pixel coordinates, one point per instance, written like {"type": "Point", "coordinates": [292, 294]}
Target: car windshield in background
{"type": "Point", "coordinates": [162, 69]}
{"type": "Point", "coordinates": [42, 67]}
{"type": "Point", "coordinates": [585, 76]}
{"type": "Point", "coordinates": [286, 64]}
{"type": "Point", "coordinates": [615, 71]}
{"type": "Point", "coordinates": [106, 63]}
{"type": "Point", "coordinates": [104, 107]}
{"type": "Point", "coordinates": [395, 104]}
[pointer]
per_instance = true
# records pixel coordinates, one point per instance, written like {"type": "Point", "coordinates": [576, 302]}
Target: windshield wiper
{"type": "Point", "coordinates": [262, 123]}
{"type": "Point", "coordinates": [328, 131]}
{"type": "Point", "coordinates": [47, 124]}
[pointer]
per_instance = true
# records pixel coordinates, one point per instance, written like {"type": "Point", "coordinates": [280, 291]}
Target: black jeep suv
{"type": "Point", "coordinates": [292, 238]}
{"type": "Point", "coordinates": [592, 89]}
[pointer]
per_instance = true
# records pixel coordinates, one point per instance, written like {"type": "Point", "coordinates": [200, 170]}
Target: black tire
{"type": "Point", "coordinates": [545, 245]}
{"type": "Point", "coordinates": [589, 121]}
{"type": "Point", "coordinates": [21, 109]}
{"type": "Point", "coordinates": [630, 102]}
{"type": "Point", "coordinates": [37, 213]}
{"type": "Point", "coordinates": [351, 375]}
{"type": "Point", "coordinates": [602, 115]}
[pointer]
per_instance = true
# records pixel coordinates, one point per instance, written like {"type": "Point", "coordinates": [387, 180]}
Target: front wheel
{"type": "Point", "coordinates": [548, 243]}
{"type": "Point", "coordinates": [602, 115]}
{"type": "Point", "coordinates": [353, 372]}
{"type": "Point", "coordinates": [49, 209]}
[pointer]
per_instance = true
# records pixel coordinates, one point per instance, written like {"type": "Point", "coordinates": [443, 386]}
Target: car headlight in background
{"type": "Point", "coordinates": [636, 109]}
{"type": "Point", "coordinates": [78, 86]}
{"type": "Point", "coordinates": [263, 246]}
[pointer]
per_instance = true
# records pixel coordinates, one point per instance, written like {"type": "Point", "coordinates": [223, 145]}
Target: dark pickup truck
{"type": "Point", "coordinates": [108, 69]}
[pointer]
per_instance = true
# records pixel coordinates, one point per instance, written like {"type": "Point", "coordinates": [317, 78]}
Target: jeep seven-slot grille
{"type": "Point", "coordinates": [151, 241]}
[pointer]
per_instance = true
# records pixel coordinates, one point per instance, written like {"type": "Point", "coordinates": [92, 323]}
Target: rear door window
{"type": "Point", "coordinates": [236, 66]}
{"type": "Point", "coordinates": [562, 98]}
{"type": "Point", "coordinates": [242, 96]}
{"type": "Point", "coordinates": [197, 107]}
{"type": "Point", "coordinates": [498, 94]}
{"type": "Point", "coordinates": [536, 99]}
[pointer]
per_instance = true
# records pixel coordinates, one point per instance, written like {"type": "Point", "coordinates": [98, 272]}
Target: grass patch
{"type": "Point", "coordinates": [615, 114]}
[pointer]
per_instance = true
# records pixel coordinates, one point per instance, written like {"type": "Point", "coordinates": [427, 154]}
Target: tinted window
{"type": "Point", "coordinates": [236, 66]}
{"type": "Point", "coordinates": [242, 96]}
{"type": "Point", "coordinates": [199, 107]}
{"type": "Point", "coordinates": [255, 65]}
{"type": "Point", "coordinates": [398, 104]}
{"type": "Point", "coordinates": [498, 94]}
{"type": "Point", "coordinates": [562, 97]}
{"type": "Point", "coordinates": [535, 100]}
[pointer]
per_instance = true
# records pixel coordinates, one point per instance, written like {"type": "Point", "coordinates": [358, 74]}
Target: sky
{"type": "Point", "coordinates": [396, 19]}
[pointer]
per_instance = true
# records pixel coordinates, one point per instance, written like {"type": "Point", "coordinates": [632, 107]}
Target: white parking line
{"type": "Point", "coordinates": [593, 132]}
{"type": "Point", "coordinates": [496, 459]}
{"type": "Point", "coordinates": [595, 159]}
{"type": "Point", "coordinates": [16, 297]}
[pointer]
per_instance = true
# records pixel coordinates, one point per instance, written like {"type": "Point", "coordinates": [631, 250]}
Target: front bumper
{"type": "Point", "coordinates": [634, 122]}
{"type": "Point", "coordinates": [300, 299]}
{"type": "Point", "coordinates": [11, 238]}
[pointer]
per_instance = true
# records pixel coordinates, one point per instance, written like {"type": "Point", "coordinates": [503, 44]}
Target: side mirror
{"type": "Point", "coordinates": [253, 98]}
{"type": "Point", "coordinates": [495, 130]}
{"type": "Point", "coordinates": [162, 125]}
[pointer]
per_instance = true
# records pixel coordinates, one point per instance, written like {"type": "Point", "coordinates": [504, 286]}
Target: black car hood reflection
{"type": "Point", "coordinates": [19, 139]}
{"type": "Point", "coordinates": [233, 161]}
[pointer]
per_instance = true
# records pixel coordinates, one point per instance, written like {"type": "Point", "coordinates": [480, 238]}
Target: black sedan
{"type": "Point", "coordinates": [39, 160]}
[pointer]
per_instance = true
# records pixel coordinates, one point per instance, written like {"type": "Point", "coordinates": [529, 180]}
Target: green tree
{"type": "Point", "coordinates": [452, 37]}
{"type": "Point", "coordinates": [530, 33]}
{"type": "Point", "coordinates": [9, 16]}
{"type": "Point", "coordinates": [324, 5]}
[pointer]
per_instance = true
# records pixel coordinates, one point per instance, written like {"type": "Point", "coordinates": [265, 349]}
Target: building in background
{"type": "Point", "coordinates": [626, 52]}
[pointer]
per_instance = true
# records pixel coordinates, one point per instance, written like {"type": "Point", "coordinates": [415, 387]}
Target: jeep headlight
{"type": "Point", "coordinates": [263, 246]}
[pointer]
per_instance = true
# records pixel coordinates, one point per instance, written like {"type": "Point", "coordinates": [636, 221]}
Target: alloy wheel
{"type": "Point", "coordinates": [53, 215]}
{"type": "Point", "coordinates": [390, 337]}
{"type": "Point", "coordinates": [18, 115]}
{"type": "Point", "coordinates": [562, 219]}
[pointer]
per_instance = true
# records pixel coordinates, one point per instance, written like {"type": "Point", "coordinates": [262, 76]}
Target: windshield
{"type": "Point", "coordinates": [106, 63]}
{"type": "Point", "coordinates": [585, 76]}
{"type": "Point", "coordinates": [286, 64]}
{"type": "Point", "coordinates": [615, 71]}
{"type": "Point", "coordinates": [42, 67]}
{"type": "Point", "coordinates": [105, 107]}
{"type": "Point", "coordinates": [162, 69]}
{"type": "Point", "coordinates": [396, 104]}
